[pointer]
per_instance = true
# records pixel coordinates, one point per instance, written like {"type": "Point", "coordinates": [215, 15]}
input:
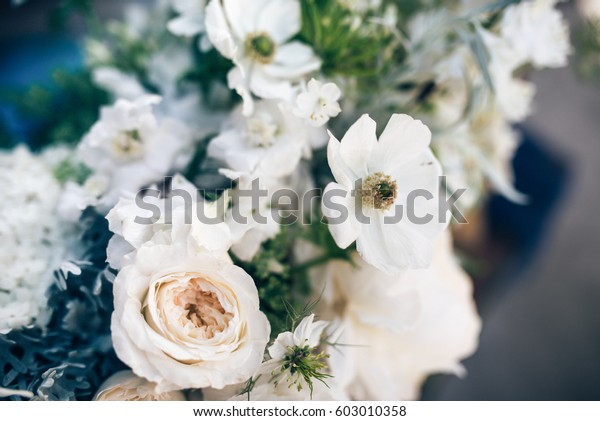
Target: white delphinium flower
{"type": "Point", "coordinates": [126, 386]}
{"type": "Point", "coordinates": [182, 216]}
{"type": "Point", "coordinates": [256, 35]}
{"type": "Point", "coordinates": [33, 240]}
{"type": "Point", "coordinates": [537, 32]}
{"type": "Point", "coordinates": [251, 219]}
{"type": "Point", "coordinates": [400, 328]}
{"type": "Point", "coordinates": [318, 102]}
{"type": "Point", "coordinates": [190, 20]}
{"type": "Point", "coordinates": [129, 147]}
{"type": "Point", "coordinates": [375, 183]}
{"type": "Point", "coordinates": [270, 142]}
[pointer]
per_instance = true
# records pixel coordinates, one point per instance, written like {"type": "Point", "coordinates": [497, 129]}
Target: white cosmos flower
{"type": "Point", "coordinates": [131, 148]}
{"type": "Point", "coordinates": [255, 35]}
{"type": "Point", "coordinates": [270, 142]}
{"type": "Point", "coordinates": [537, 32]}
{"type": "Point", "coordinates": [374, 179]}
{"type": "Point", "coordinates": [403, 327]}
{"type": "Point", "coordinates": [186, 319]}
{"type": "Point", "coordinates": [126, 386]}
{"type": "Point", "coordinates": [318, 102]}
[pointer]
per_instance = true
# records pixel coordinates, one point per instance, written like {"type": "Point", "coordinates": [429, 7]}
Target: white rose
{"type": "Point", "coordinates": [126, 386]}
{"type": "Point", "coordinates": [187, 319]}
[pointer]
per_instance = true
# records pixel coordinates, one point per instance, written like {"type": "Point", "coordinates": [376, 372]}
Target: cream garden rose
{"type": "Point", "coordinates": [185, 319]}
{"type": "Point", "coordinates": [126, 386]}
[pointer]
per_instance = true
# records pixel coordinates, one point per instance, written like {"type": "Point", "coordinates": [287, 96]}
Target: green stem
{"type": "Point", "coordinates": [317, 261]}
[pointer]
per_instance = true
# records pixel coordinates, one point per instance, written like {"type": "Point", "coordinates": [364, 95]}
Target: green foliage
{"type": "Point", "coordinates": [62, 112]}
{"type": "Point", "coordinates": [587, 48]}
{"type": "Point", "coordinates": [270, 270]}
{"type": "Point", "coordinates": [346, 46]}
{"type": "Point", "coordinates": [67, 170]}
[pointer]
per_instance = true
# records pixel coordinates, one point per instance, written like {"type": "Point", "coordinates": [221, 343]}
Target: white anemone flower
{"type": "Point", "coordinates": [256, 35]}
{"type": "Point", "coordinates": [318, 102]}
{"type": "Point", "coordinates": [386, 193]}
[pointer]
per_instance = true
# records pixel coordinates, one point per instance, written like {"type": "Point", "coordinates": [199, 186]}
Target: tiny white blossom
{"type": "Point", "coordinates": [374, 179]}
{"type": "Point", "coordinates": [318, 103]}
{"type": "Point", "coordinates": [256, 36]}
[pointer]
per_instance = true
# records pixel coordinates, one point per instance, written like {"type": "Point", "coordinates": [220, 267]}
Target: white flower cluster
{"type": "Point", "coordinates": [241, 90]}
{"type": "Point", "coordinates": [33, 243]}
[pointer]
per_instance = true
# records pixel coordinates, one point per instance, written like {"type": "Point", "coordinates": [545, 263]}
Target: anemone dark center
{"type": "Point", "coordinates": [261, 47]}
{"type": "Point", "coordinates": [379, 191]}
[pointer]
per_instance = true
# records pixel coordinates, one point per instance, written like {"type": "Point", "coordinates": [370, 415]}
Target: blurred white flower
{"type": "Point", "coordinates": [181, 218]}
{"type": "Point", "coordinates": [318, 102]}
{"type": "Point", "coordinates": [117, 82]}
{"type": "Point", "coordinates": [131, 148]}
{"type": "Point", "coordinates": [126, 386]}
{"type": "Point", "coordinates": [185, 318]}
{"type": "Point", "coordinates": [250, 219]}
{"type": "Point", "coordinates": [399, 329]}
{"type": "Point", "coordinates": [537, 32]}
{"type": "Point", "coordinates": [513, 95]}
{"type": "Point", "coordinates": [190, 20]}
{"type": "Point", "coordinates": [590, 9]}
{"type": "Point", "coordinates": [33, 240]}
{"type": "Point", "coordinates": [479, 153]}
{"type": "Point", "coordinates": [270, 142]}
{"type": "Point", "coordinates": [256, 35]}
{"type": "Point", "coordinates": [375, 179]}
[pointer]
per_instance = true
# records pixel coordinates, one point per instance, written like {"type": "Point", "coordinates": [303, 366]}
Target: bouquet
{"type": "Point", "coordinates": [254, 200]}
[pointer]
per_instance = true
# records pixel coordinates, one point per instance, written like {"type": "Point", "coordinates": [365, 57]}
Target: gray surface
{"type": "Point", "coordinates": [541, 339]}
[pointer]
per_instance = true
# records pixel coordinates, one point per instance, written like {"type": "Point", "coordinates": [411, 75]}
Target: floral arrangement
{"type": "Point", "coordinates": [214, 208]}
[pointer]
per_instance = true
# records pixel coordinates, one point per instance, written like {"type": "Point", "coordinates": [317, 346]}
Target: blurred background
{"type": "Point", "coordinates": [539, 290]}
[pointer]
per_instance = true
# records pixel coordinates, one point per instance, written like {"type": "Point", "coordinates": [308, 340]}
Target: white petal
{"type": "Point", "coordinates": [358, 143]}
{"type": "Point", "coordinates": [218, 30]}
{"type": "Point", "coordinates": [280, 19]}
{"type": "Point", "coordinates": [340, 212]}
{"type": "Point", "coordinates": [402, 139]}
